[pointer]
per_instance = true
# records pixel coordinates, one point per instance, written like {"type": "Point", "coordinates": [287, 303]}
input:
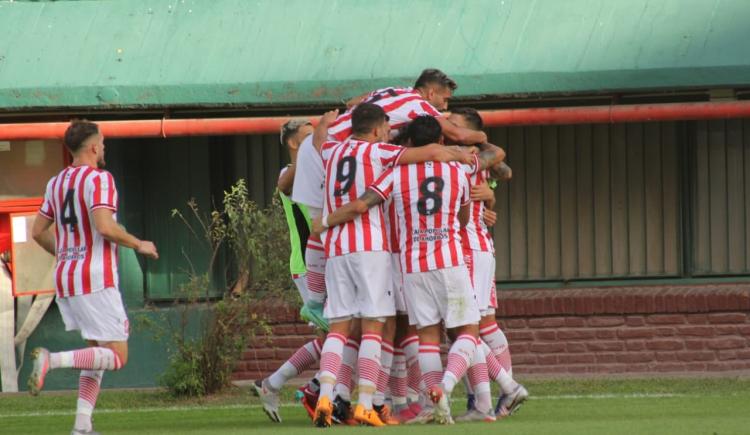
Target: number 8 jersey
{"type": "Point", "coordinates": [86, 261]}
{"type": "Point", "coordinates": [351, 166]}
{"type": "Point", "coordinates": [427, 198]}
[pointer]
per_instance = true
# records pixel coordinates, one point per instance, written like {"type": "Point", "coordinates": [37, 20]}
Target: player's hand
{"type": "Point", "coordinates": [329, 117]}
{"type": "Point", "coordinates": [482, 192]}
{"type": "Point", "coordinates": [490, 217]}
{"type": "Point", "coordinates": [460, 154]}
{"type": "Point", "coordinates": [148, 249]}
{"type": "Point", "coordinates": [483, 137]}
{"type": "Point", "coordinates": [317, 225]}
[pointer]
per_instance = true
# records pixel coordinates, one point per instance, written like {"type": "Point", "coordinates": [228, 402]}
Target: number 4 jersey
{"type": "Point", "coordinates": [86, 262]}
{"type": "Point", "coordinates": [351, 166]}
{"type": "Point", "coordinates": [427, 198]}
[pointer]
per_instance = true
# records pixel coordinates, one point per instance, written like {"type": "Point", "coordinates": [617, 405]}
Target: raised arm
{"type": "Point", "coordinates": [501, 172]}
{"type": "Point", "coordinates": [356, 100]}
{"type": "Point", "coordinates": [460, 134]}
{"type": "Point", "coordinates": [286, 180]}
{"type": "Point", "coordinates": [434, 153]}
{"type": "Point", "coordinates": [320, 134]}
{"type": "Point", "coordinates": [348, 212]}
{"type": "Point", "coordinates": [489, 155]}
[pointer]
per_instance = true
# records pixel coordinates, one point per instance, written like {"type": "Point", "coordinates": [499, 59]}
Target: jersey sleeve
{"type": "Point", "coordinates": [383, 186]}
{"type": "Point", "coordinates": [420, 107]}
{"type": "Point", "coordinates": [102, 192]}
{"type": "Point", "coordinates": [472, 168]}
{"type": "Point", "coordinates": [47, 209]}
{"type": "Point", "coordinates": [326, 150]}
{"type": "Point", "coordinates": [389, 154]}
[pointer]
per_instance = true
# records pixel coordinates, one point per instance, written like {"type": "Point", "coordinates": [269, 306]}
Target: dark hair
{"type": "Point", "coordinates": [77, 132]}
{"type": "Point", "coordinates": [436, 77]}
{"type": "Point", "coordinates": [290, 128]}
{"type": "Point", "coordinates": [471, 116]}
{"type": "Point", "coordinates": [367, 116]}
{"type": "Point", "coordinates": [424, 130]}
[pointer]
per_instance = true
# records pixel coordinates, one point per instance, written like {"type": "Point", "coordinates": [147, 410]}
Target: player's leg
{"type": "Point", "coordinates": [343, 412]}
{"type": "Point", "coordinates": [425, 316]}
{"type": "Point", "coordinates": [99, 316]}
{"type": "Point", "coordinates": [386, 362]}
{"type": "Point", "coordinates": [339, 310]}
{"type": "Point", "coordinates": [376, 304]}
{"type": "Point", "coordinates": [460, 313]}
{"type": "Point", "coordinates": [315, 279]}
{"type": "Point", "coordinates": [268, 389]}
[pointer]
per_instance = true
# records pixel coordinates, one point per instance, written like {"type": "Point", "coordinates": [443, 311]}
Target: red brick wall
{"type": "Point", "coordinates": [647, 329]}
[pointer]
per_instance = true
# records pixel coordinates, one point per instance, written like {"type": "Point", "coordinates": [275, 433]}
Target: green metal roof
{"type": "Point", "coordinates": [137, 53]}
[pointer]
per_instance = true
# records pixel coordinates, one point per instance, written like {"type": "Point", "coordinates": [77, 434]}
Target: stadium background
{"type": "Point", "coordinates": [621, 247]}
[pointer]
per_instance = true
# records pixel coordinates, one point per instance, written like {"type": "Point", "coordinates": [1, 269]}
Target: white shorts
{"type": "Point", "coordinates": [359, 285]}
{"type": "Point", "coordinates": [100, 316]}
{"type": "Point", "coordinates": [442, 294]}
{"type": "Point", "coordinates": [301, 282]}
{"type": "Point", "coordinates": [398, 283]}
{"type": "Point", "coordinates": [482, 269]}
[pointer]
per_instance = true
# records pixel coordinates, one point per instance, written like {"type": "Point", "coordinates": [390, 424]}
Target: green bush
{"type": "Point", "coordinates": [257, 243]}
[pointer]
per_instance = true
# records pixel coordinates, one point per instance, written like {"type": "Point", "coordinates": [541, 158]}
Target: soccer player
{"type": "Point", "coordinates": [293, 133]}
{"type": "Point", "coordinates": [430, 199]}
{"type": "Point", "coordinates": [358, 279]}
{"type": "Point", "coordinates": [81, 202]}
{"type": "Point", "coordinates": [429, 96]}
{"type": "Point", "coordinates": [478, 248]}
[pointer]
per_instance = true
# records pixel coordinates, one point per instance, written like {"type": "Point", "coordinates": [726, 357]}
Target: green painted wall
{"type": "Point", "coordinates": [139, 53]}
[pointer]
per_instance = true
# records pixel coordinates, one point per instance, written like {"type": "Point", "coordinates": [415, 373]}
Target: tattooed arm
{"type": "Point", "coordinates": [348, 212]}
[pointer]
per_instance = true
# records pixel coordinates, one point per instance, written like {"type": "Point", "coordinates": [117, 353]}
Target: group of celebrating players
{"type": "Point", "coordinates": [388, 206]}
{"type": "Point", "coordinates": [389, 245]}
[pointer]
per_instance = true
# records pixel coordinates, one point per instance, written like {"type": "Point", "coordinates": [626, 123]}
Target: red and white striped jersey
{"type": "Point", "coordinates": [391, 221]}
{"type": "Point", "coordinates": [427, 197]}
{"type": "Point", "coordinates": [86, 261]}
{"type": "Point", "coordinates": [402, 105]}
{"type": "Point", "coordinates": [351, 166]}
{"type": "Point", "coordinates": [475, 235]}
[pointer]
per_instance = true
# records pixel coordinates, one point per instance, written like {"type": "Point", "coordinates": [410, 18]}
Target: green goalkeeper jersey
{"type": "Point", "coordinates": [298, 220]}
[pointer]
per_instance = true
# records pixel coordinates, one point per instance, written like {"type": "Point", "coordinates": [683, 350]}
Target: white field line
{"type": "Point", "coordinates": [257, 406]}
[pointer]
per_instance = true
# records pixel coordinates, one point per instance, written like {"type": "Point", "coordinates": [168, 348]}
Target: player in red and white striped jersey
{"type": "Point", "coordinates": [429, 96]}
{"type": "Point", "coordinates": [81, 202]}
{"type": "Point", "coordinates": [430, 199]}
{"type": "Point", "coordinates": [480, 257]}
{"type": "Point", "coordinates": [358, 281]}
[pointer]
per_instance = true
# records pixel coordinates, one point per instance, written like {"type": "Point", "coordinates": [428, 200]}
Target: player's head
{"type": "Point", "coordinates": [466, 117]}
{"type": "Point", "coordinates": [423, 130]}
{"type": "Point", "coordinates": [83, 139]}
{"type": "Point", "coordinates": [435, 87]}
{"type": "Point", "coordinates": [370, 121]}
{"type": "Point", "coordinates": [294, 131]}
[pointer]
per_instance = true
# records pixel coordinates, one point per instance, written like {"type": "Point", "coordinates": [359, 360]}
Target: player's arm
{"type": "Point", "coordinates": [320, 134]}
{"type": "Point", "coordinates": [501, 172]}
{"type": "Point", "coordinates": [286, 181]}
{"type": "Point", "coordinates": [348, 212]}
{"type": "Point", "coordinates": [434, 153]}
{"type": "Point", "coordinates": [40, 233]}
{"type": "Point", "coordinates": [459, 134]}
{"type": "Point", "coordinates": [463, 214]}
{"type": "Point", "coordinates": [106, 225]}
{"type": "Point", "coordinates": [356, 100]}
{"type": "Point", "coordinates": [483, 192]}
{"type": "Point", "coordinates": [489, 156]}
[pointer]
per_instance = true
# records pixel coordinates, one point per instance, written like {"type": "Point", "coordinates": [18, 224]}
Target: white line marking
{"type": "Point", "coordinates": [182, 408]}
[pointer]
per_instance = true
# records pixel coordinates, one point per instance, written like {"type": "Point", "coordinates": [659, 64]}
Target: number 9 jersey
{"type": "Point", "coordinates": [351, 166]}
{"type": "Point", "coordinates": [86, 261]}
{"type": "Point", "coordinates": [427, 197]}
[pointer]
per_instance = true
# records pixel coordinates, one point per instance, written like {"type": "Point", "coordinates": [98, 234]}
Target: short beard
{"type": "Point", "coordinates": [101, 164]}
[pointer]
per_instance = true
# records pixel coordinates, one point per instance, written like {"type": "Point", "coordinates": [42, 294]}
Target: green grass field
{"type": "Point", "coordinates": [648, 406]}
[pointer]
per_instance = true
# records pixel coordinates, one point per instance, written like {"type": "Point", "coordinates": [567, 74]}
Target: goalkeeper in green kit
{"type": "Point", "coordinates": [293, 133]}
